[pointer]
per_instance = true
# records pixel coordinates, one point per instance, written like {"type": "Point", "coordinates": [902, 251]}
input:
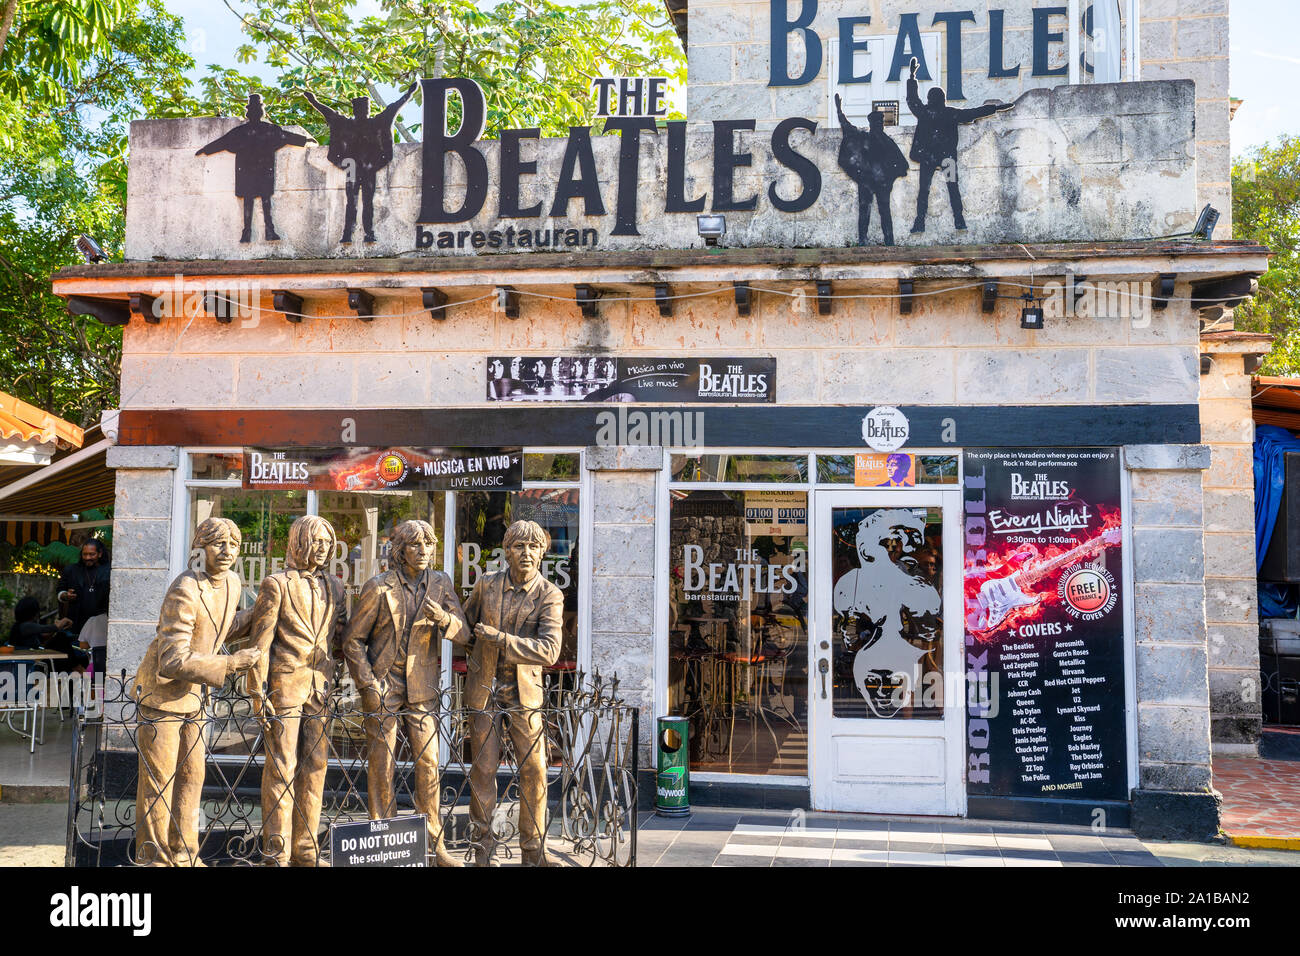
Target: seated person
{"type": "Point", "coordinates": [28, 633]}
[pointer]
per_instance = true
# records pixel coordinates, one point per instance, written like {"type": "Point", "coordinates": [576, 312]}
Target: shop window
{"type": "Point", "coordinates": [740, 468]}
{"type": "Point", "coordinates": [364, 523]}
{"type": "Point", "coordinates": [263, 518]}
{"type": "Point", "coordinates": [878, 470]}
{"type": "Point", "coordinates": [737, 633]}
{"type": "Point", "coordinates": [558, 466]}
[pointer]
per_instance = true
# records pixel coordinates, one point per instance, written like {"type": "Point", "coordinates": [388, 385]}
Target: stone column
{"type": "Point", "coordinates": [623, 573]}
{"type": "Point", "coordinates": [142, 534]}
{"type": "Point", "coordinates": [1231, 598]}
{"type": "Point", "coordinates": [1174, 798]}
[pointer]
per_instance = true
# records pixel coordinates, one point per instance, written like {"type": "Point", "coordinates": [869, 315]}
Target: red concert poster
{"type": "Point", "coordinates": [1044, 621]}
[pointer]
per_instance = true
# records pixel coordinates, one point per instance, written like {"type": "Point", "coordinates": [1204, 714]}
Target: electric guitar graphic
{"type": "Point", "coordinates": [999, 596]}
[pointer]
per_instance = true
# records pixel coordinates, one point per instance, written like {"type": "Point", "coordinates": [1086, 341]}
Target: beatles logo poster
{"type": "Point", "coordinates": [604, 378]}
{"type": "Point", "coordinates": [1044, 623]}
{"type": "Point", "coordinates": [384, 469]}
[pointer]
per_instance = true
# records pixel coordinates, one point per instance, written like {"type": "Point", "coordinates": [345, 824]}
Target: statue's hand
{"type": "Point", "coordinates": [838, 105]}
{"type": "Point", "coordinates": [242, 660]}
{"type": "Point", "coordinates": [436, 612]}
{"type": "Point", "coordinates": [912, 68]}
{"type": "Point", "coordinates": [487, 633]}
{"type": "Point", "coordinates": [262, 708]}
{"type": "Point", "coordinates": [370, 699]}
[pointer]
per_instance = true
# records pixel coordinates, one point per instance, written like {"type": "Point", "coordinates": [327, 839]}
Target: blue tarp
{"type": "Point", "coordinates": [1271, 443]}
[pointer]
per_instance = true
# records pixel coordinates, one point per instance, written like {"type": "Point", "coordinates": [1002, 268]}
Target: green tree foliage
{"type": "Point", "coordinates": [534, 59]}
{"type": "Point", "coordinates": [73, 73]}
{"type": "Point", "coordinates": [1266, 209]}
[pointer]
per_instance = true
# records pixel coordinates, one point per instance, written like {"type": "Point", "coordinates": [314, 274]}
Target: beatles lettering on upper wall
{"type": "Point", "coordinates": [1048, 25]}
{"type": "Point", "coordinates": [607, 378]}
{"type": "Point", "coordinates": [1051, 169]}
{"type": "Point", "coordinates": [1045, 623]}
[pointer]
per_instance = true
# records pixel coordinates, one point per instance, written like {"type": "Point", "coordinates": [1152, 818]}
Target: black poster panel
{"type": "Point", "coordinates": [1044, 620]}
{"type": "Point", "coordinates": [380, 469]}
{"type": "Point", "coordinates": [605, 378]}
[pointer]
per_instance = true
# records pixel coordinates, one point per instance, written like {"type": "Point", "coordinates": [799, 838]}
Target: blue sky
{"type": "Point", "coordinates": [1265, 59]}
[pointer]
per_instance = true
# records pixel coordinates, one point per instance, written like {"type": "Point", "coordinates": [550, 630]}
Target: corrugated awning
{"type": "Point", "coordinates": [1276, 401]}
{"type": "Point", "coordinates": [24, 422]}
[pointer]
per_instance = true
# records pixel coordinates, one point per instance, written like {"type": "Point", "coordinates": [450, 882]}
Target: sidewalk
{"type": "Point", "coordinates": [723, 837]}
{"type": "Point", "coordinates": [1261, 795]}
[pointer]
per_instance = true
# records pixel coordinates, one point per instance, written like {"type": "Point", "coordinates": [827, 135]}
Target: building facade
{"type": "Point", "coordinates": [905, 520]}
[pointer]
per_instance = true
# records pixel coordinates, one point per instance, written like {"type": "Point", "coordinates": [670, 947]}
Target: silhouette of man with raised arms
{"type": "Point", "coordinates": [873, 161]}
{"type": "Point", "coordinates": [360, 145]}
{"type": "Point", "coordinates": [255, 144]}
{"type": "Point", "coordinates": [934, 145]}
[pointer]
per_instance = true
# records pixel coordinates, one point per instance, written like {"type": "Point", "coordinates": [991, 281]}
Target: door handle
{"type": "Point", "coordinates": [823, 666]}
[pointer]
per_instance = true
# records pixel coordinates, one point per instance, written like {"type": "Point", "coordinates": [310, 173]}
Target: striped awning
{"type": "Point", "coordinates": [36, 499]}
{"type": "Point", "coordinates": [1276, 401]}
{"type": "Point", "coordinates": [18, 533]}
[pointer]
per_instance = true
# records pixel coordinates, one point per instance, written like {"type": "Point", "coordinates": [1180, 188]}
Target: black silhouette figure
{"type": "Point", "coordinates": [254, 145]}
{"type": "Point", "coordinates": [934, 145]}
{"type": "Point", "coordinates": [360, 145]}
{"type": "Point", "coordinates": [873, 161]}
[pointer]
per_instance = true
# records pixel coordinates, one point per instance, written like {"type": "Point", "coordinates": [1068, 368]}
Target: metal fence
{"type": "Point", "coordinates": [230, 786]}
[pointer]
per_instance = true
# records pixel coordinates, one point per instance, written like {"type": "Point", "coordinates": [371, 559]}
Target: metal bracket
{"type": "Point", "coordinates": [106, 311]}
{"type": "Point", "coordinates": [744, 299]}
{"type": "Point", "coordinates": [435, 300]}
{"type": "Point", "coordinates": [142, 304]}
{"type": "Point", "coordinates": [362, 303]}
{"type": "Point", "coordinates": [1164, 291]}
{"type": "Point", "coordinates": [989, 301]}
{"type": "Point", "coordinates": [905, 292]}
{"type": "Point", "coordinates": [586, 296]}
{"type": "Point", "coordinates": [663, 299]}
{"type": "Point", "coordinates": [508, 300]}
{"type": "Point", "coordinates": [824, 297]}
{"type": "Point", "coordinates": [288, 304]}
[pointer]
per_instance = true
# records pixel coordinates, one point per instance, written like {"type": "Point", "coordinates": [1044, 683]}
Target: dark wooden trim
{"type": "Point", "coordinates": [757, 426]}
{"type": "Point", "coordinates": [670, 258]}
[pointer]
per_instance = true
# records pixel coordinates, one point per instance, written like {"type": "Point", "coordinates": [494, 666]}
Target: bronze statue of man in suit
{"type": "Point", "coordinates": [516, 616]}
{"type": "Point", "coordinates": [391, 646]}
{"type": "Point", "coordinates": [198, 614]}
{"type": "Point", "coordinates": [296, 620]}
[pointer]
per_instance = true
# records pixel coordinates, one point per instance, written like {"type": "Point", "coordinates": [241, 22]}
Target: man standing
{"type": "Point", "coordinates": [255, 144]}
{"type": "Point", "coordinates": [83, 587]}
{"type": "Point", "coordinates": [360, 146]}
{"type": "Point", "coordinates": [391, 646]}
{"type": "Point", "coordinates": [516, 617]}
{"type": "Point", "coordinates": [295, 622]}
{"type": "Point", "coordinates": [934, 144]}
{"type": "Point", "coordinates": [873, 161]}
{"type": "Point", "coordinates": [198, 614]}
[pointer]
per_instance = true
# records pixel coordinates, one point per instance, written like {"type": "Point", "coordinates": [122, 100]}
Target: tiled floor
{"type": "Point", "coordinates": [719, 837]}
{"type": "Point", "coordinates": [1261, 796]}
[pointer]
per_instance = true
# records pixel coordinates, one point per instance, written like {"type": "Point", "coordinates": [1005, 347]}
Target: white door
{"type": "Point", "coordinates": [887, 681]}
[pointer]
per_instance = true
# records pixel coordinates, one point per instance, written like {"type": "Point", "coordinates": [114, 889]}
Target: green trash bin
{"type": "Point", "coordinates": [673, 781]}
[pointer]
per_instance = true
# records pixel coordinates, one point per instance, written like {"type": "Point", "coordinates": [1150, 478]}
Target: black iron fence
{"type": "Point", "coordinates": [235, 784]}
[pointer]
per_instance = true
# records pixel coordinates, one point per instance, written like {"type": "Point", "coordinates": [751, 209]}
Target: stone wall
{"type": "Point", "coordinates": [141, 549]}
{"type": "Point", "coordinates": [946, 352]}
{"type": "Point", "coordinates": [1169, 600]}
{"type": "Point", "coordinates": [1231, 607]}
{"type": "Point", "coordinates": [1085, 163]}
{"type": "Point", "coordinates": [729, 65]}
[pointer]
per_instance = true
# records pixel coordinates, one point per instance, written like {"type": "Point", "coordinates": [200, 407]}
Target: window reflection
{"type": "Point", "coordinates": [737, 657]}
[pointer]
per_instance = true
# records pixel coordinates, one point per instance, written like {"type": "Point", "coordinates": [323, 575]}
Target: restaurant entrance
{"type": "Point", "coordinates": [886, 657]}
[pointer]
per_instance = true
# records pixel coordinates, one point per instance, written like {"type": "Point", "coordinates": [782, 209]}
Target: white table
{"type": "Point", "coordinates": [28, 705]}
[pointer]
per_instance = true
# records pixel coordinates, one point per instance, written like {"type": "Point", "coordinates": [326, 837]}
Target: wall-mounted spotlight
{"type": "Point", "coordinates": [712, 227]}
{"type": "Point", "coordinates": [89, 249]}
{"type": "Point", "coordinates": [1205, 223]}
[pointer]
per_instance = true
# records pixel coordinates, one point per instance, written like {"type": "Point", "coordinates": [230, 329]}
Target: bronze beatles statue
{"type": "Point", "coordinates": [296, 620]}
{"type": "Point", "coordinates": [516, 617]}
{"type": "Point", "coordinates": [198, 614]}
{"type": "Point", "coordinates": [391, 646]}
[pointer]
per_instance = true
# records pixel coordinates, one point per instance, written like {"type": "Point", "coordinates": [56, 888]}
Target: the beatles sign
{"type": "Point", "coordinates": [384, 469]}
